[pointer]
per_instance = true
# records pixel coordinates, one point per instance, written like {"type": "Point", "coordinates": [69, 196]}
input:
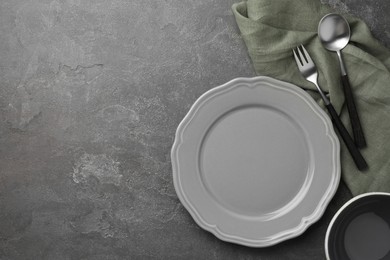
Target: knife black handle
{"type": "Point", "coordinates": [357, 129]}
{"type": "Point", "coordinates": [357, 157]}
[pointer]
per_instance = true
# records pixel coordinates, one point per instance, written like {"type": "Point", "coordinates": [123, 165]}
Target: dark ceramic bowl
{"type": "Point", "coordinates": [360, 230]}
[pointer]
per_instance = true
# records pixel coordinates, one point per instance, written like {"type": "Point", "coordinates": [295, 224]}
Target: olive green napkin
{"type": "Point", "coordinates": [271, 28]}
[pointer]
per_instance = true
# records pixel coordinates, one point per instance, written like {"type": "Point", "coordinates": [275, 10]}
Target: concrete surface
{"type": "Point", "coordinates": [91, 93]}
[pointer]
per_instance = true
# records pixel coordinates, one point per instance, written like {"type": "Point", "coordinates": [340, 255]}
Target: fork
{"type": "Point", "coordinates": [309, 71]}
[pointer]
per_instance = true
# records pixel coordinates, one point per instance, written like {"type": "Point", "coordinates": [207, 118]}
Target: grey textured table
{"type": "Point", "coordinates": [91, 93]}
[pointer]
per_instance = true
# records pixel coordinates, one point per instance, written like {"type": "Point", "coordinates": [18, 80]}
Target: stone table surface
{"type": "Point", "coordinates": [91, 93]}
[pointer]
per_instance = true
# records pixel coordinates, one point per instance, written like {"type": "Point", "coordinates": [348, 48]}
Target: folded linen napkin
{"type": "Point", "coordinates": [271, 28]}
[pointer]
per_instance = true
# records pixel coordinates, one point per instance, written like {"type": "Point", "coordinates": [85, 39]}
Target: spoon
{"type": "Point", "coordinates": [334, 34]}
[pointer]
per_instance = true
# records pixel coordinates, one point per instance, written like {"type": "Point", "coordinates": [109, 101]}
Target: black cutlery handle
{"type": "Point", "coordinates": [353, 150]}
{"type": "Point", "coordinates": [353, 114]}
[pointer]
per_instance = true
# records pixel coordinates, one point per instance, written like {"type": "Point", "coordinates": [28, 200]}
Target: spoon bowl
{"type": "Point", "coordinates": [334, 32]}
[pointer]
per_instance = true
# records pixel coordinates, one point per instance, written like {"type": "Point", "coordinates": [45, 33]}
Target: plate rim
{"type": "Point", "coordinates": [306, 221]}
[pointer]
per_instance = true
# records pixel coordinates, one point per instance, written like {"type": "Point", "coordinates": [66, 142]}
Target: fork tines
{"type": "Point", "coordinates": [299, 53]}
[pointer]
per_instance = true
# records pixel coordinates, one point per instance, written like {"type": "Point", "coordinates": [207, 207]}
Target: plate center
{"type": "Point", "coordinates": [254, 160]}
{"type": "Point", "coordinates": [367, 237]}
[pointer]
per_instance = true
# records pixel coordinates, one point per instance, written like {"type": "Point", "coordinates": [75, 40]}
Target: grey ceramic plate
{"type": "Point", "coordinates": [255, 161]}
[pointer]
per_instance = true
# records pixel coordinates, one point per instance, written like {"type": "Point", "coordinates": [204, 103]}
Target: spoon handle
{"type": "Point", "coordinates": [357, 157]}
{"type": "Point", "coordinates": [357, 129]}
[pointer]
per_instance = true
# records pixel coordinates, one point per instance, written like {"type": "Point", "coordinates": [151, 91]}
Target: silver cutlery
{"type": "Point", "coordinates": [309, 71]}
{"type": "Point", "coordinates": [334, 34]}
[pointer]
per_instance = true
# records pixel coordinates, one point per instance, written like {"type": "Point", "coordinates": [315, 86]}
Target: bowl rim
{"type": "Point", "coordinates": [349, 202]}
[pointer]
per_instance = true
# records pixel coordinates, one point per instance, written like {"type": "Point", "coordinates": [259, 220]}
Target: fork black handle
{"type": "Point", "coordinates": [357, 157]}
{"type": "Point", "coordinates": [357, 129]}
